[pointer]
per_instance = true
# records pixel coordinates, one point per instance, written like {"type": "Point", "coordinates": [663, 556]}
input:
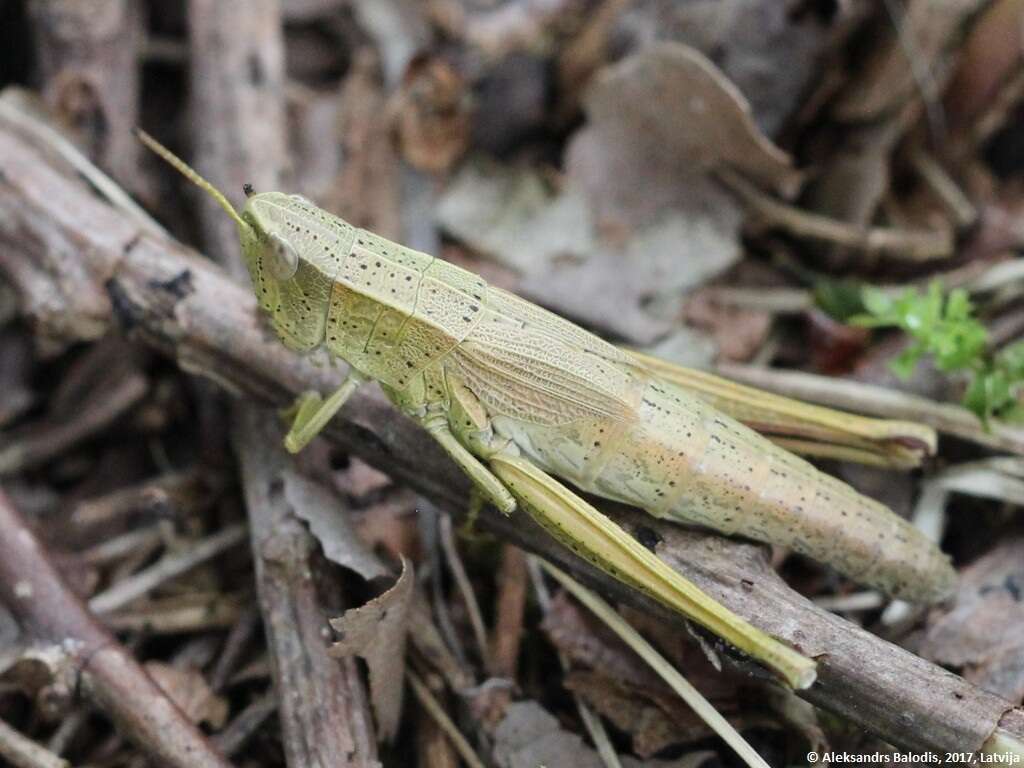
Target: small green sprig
{"type": "Point", "coordinates": [944, 326]}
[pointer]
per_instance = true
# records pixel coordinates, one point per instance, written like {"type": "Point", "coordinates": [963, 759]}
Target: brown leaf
{"type": "Point", "coordinates": [588, 642]}
{"type": "Point", "coordinates": [377, 633]}
{"type": "Point", "coordinates": [659, 124]}
{"type": "Point", "coordinates": [624, 689]}
{"type": "Point", "coordinates": [984, 630]}
{"type": "Point", "coordinates": [46, 674]}
{"type": "Point", "coordinates": [432, 115]}
{"type": "Point", "coordinates": [891, 76]}
{"type": "Point", "coordinates": [359, 480]}
{"type": "Point", "coordinates": [773, 51]}
{"type": "Point", "coordinates": [188, 689]}
{"type": "Point", "coordinates": [672, 106]}
{"type": "Point", "coordinates": [390, 525]}
{"type": "Point", "coordinates": [653, 722]}
{"type": "Point", "coordinates": [989, 57]}
{"type": "Point", "coordinates": [366, 192]}
{"type": "Point", "coordinates": [737, 332]}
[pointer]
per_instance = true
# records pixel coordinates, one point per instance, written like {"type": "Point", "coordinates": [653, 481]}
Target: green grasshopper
{"type": "Point", "coordinates": [518, 396]}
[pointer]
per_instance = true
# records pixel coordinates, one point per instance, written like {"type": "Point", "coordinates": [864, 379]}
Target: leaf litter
{"type": "Point", "coordinates": [573, 151]}
{"type": "Point", "coordinates": [377, 632]}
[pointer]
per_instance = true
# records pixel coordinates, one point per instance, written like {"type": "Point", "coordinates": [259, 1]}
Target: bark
{"type": "Point", "coordinates": [88, 51]}
{"type": "Point", "coordinates": [49, 611]}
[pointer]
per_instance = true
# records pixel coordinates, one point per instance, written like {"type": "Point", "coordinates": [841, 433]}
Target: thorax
{"type": "Point", "coordinates": [394, 311]}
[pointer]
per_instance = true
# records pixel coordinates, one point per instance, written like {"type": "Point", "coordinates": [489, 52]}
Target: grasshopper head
{"type": "Point", "coordinates": [270, 255]}
{"type": "Point", "coordinates": [288, 286]}
{"type": "Point", "coordinates": [271, 227]}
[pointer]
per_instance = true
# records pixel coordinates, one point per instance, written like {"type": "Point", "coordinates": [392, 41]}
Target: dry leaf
{"type": "Point", "coordinates": [377, 633]}
{"type": "Point", "coordinates": [614, 290]}
{"type": "Point", "coordinates": [529, 736]}
{"type": "Point", "coordinates": [737, 332]}
{"type": "Point", "coordinates": [919, 41]}
{"type": "Point", "coordinates": [983, 632]}
{"type": "Point", "coordinates": [638, 220]}
{"type": "Point", "coordinates": [905, 69]}
{"type": "Point", "coordinates": [391, 526]}
{"type": "Point", "coordinates": [513, 216]}
{"type": "Point", "coordinates": [687, 115]}
{"type": "Point", "coordinates": [652, 725]}
{"type": "Point", "coordinates": [366, 192]}
{"type": "Point", "coordinates": [188, 689]}
{"type": "Point", "coordinates": [586, 641]}
{"type": "Point", "coordinates": [773, 51]}
{"type": "Point", "coordinates": [432, 115]}
{"type": "Point", "coordinates": [645, 174]}
{"type": "Point", "coordinates": [625, 690]}
{"type": "Point", "coordinates": [329, 522]}
{"type": "Point", "coordinates": [988, 60]}
{"type": "Point", "coordinates": [46, 674]}
{"type": "Point", "coordinates": [656, 719]}
{"type": "Point", "coordinates": [358, 480]}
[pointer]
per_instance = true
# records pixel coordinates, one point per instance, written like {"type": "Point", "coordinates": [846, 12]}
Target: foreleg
{"type": "Point", "coordinates": [312, 412]}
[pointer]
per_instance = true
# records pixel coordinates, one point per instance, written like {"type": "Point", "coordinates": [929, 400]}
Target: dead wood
{"type": "Point", "coordinates": [87, 56]}
{"type": "Point", "coordinates": [48, 610]}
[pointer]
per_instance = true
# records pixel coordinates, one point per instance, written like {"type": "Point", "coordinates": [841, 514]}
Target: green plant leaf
{"type": "Point", "coordinates": [944, 327]}
{"type": "Point", "coordinates": [842, 299]}
{"type": "Point", "coordinates": [877, 302]}
{"type": "Point", "coordinates": [903, 365]}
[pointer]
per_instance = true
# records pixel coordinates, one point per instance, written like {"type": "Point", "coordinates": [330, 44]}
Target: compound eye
{"type": "Point", "coordinates": [282, 259]}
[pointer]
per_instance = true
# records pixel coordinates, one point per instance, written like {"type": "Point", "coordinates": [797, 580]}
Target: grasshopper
{"type": "Point", "coordinates": [518, 396]}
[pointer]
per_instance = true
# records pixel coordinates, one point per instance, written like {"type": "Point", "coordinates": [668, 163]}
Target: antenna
{"type": "Point", "coordinates": [190, 174]}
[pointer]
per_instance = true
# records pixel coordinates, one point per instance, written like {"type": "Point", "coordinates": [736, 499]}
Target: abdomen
{"type": "Point", "coordinates": [680, 459]}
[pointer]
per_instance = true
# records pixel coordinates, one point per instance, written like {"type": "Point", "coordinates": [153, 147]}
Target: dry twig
{"type": "Point", "coordinates": [910, 245]}
{"type": "Point", "coordinates": [22, 752]}
{"type": "Point", "coordinates": [33, 590]}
